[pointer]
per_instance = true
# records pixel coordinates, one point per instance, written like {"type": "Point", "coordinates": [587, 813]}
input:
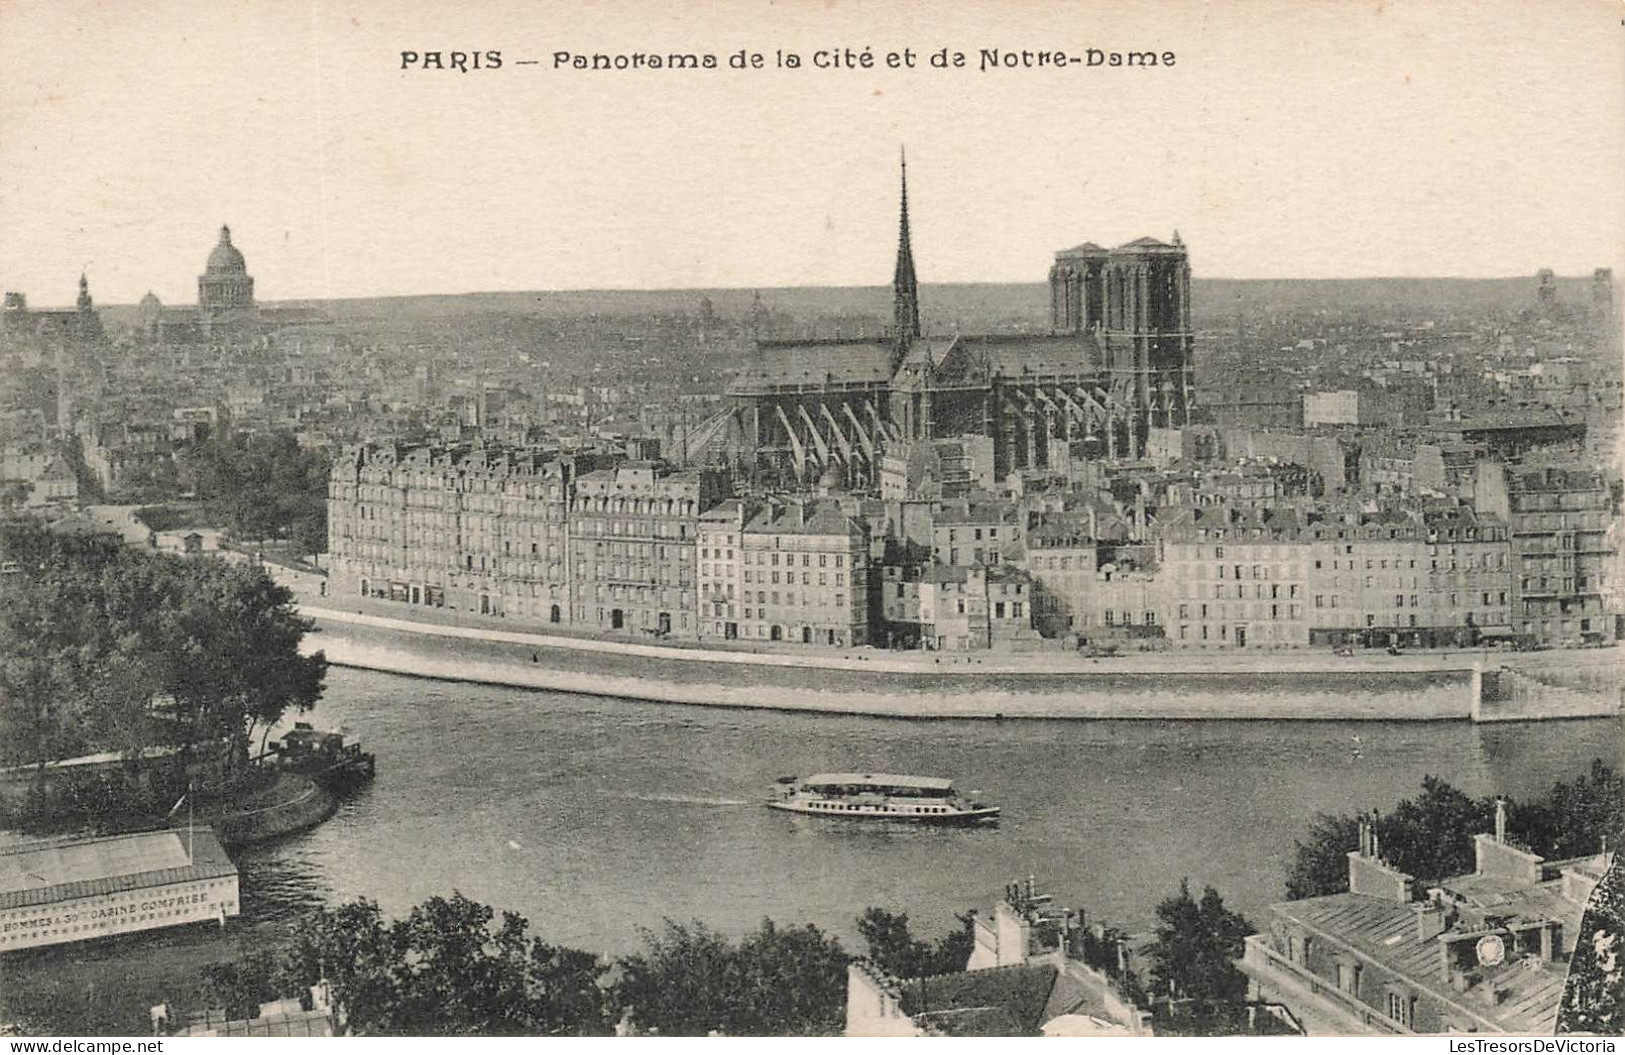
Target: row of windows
{"type": "Point", "coordinates": [635, 571]}
{"type": "Point", "coordinates": [772, 559]}
{"type": "Point", "coordinates": [668, 507]}
{"type": "Point", "coordinates": [976, 534]}
{"type": "Point", "coordinates": [636, 528]}
{"type": "Point", "coordinates": [807, 600]}
{"type": "Point", "coordinates": [790, 577]}
{"type": "Point", "coordinates": [644, 550]}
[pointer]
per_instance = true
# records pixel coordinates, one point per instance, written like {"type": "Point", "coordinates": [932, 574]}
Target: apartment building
{"type": "Point", "coordinates": [634, 533]}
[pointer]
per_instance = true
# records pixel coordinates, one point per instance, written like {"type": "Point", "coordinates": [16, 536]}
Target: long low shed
{"type": "Point", "coordinates": [54, 891]}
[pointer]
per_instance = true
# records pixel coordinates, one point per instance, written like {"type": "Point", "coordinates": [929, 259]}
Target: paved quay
{"type": "Point", "coordinates": [950, 663]}
{"type": "Point", "coordinates": [1003, 687]}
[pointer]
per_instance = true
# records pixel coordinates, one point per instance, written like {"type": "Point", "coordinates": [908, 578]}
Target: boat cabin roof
{"type": "Point", "coordinates": [879, 780]}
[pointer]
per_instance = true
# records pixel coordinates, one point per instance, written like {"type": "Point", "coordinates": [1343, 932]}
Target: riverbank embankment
{"type": "Point", "coordinates": [1172, 685]}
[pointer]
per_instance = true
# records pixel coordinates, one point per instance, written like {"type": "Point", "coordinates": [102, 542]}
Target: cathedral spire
{"type": "Point", "coordinates": [905, 289]}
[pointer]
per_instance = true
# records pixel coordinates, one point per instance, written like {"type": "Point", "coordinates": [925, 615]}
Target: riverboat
{"type": "Point", "coordinates": [328, 757]}
{"type": "Point", "coordinates": [880, 796]}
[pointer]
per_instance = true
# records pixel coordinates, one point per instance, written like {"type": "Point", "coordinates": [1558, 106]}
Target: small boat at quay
{"type": "Point", "coordinates": [880, 796]}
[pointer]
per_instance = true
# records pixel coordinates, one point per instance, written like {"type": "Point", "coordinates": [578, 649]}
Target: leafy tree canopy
{"type": "Point", "coordinates": [264, 486]}
{"type": "Point", "coordinates": [1431, 836]}
{"type": "Point", "coordinates": [778, 981]}
{"type": "Point", "coordinates": [1197, 944]}
{"type": "Point", "coordinates": [93, 634]}
{"type": "Point", "coordinates": [896, 951]}
{"type": "Point", "coordinates": [449, 967]}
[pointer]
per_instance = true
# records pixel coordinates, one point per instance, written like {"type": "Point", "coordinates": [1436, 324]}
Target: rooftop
{"type": "Point", "coordinates": [48, 870]}
{"type": "Point", "coordinates": [888, 780]}
{"type": "Point", "coordinates": [1520, 995]}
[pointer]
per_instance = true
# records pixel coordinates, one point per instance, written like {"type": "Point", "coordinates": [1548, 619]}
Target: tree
{"type": "Point", "coordinates": [1431, 836]}
{"type": "Point", "coordinates": [264, 486]}
{"type": "Point", "coordinates": [1193, 956]}
{"type": "Point", "coordinates": [896, 951]}
{"type": "Point", "coordinates": [444, 970]}
{"type": "Point", "coordinates": [680, 984]}
{"type": "Point", "coordinates": [1320, 865]}
{"type": "Point", "coordinates": [1577, 818]}
{"type": "Point", "coordinates": [790, 981]}
{"type": "Point", "coordinates": [94, 634]}
{"type": "Point", "coordinates": [689, 981]}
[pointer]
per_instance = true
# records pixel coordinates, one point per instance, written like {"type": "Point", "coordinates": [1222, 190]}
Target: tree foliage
{"type": "Point", "coordinates": [778, 981]}
{"type": "Point", "coordinates": [895, 949]}
{"type": "Point", "coordinates": [450, 967]}
{"type": "Point", "coordinates": [1431, 836]}
{"type": "Point", "coordinates": [1193, 956]}
{"type": "Point", "coordinates": [94, 636]}
{"type": "Point", "coordinates": [453, 966]}
{"type": "Point", "coordinates": [264, 486]}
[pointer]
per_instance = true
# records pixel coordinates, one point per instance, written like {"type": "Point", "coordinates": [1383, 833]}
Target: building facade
{"type": "Point", "coordinates": [721, 541]}
{"type": "Point", "coordinates": [805, 576]}
{"type": "Point", "coordinates": [474, 529]}
{"type": "Point", "coordinates": [1559, 521]}
{"type": "Point", "coordinates": [634, 534]}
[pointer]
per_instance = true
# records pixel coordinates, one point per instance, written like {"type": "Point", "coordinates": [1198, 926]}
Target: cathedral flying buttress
{"type": "Point", "coordinates": [1116, 363]}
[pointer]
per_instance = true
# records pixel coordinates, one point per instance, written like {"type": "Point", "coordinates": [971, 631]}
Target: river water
{"type": "Point", "coordinates": [595, 817]}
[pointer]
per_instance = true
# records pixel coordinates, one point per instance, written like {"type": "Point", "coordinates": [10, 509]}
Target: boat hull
{"type": "Point", "coordinates": [981, 815]}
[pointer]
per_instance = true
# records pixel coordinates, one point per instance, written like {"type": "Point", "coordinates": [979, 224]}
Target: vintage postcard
{"type": "Point", "coordinates": [868, 518]}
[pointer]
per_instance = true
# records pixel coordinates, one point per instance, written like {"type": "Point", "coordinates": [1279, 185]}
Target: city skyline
{"type": "Point", "coordinates": [1316, 143]}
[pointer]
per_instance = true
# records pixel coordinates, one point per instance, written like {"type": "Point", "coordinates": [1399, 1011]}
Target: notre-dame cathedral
{"type": "Point", "coordinates": [1116, 363]}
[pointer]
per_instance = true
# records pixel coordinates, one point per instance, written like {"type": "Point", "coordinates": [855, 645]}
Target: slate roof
{"type": "Point", "coordinates": [992, 1002]}
{"type": "Point", "coordinates": [1023, 356]}
{"type": "Point", "coordinates": [816, 362]}
{"type": "Point", "coordinates": [824, 518]}
{"type": "Point", "coordinates": [87, 867]}
{"type": "Point", "coordinates": [1385, 932]}
{"type": "Point", "coordinates": [1144, 243]}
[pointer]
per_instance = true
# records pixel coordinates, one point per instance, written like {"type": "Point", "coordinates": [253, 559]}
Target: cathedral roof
{"type": "Point", "coordinates": [812, 363]}
{"type": "Point", "coordinates": [225, 258]}
{"type": "Point", "coordinates": [1019, 356]}
{"type": "Point", "coordinates": [1143, 244]}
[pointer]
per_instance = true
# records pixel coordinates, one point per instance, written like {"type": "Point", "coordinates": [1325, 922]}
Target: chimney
{"type": "Point", "coordinates": [1432, 919]}
{"type": "Point", "coordinates": [1370, 875]}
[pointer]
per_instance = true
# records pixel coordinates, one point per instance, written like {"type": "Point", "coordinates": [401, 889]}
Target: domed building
{"type": "Point", "coordinates": [225, 284]}
{"type": "Point", "coordinates": [226, 313]}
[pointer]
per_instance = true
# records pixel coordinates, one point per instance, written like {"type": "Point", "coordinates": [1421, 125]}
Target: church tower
{"type": "Point", "coordinates": [84, 302]}
{"type": "Point", "coordinates": [905, 288]}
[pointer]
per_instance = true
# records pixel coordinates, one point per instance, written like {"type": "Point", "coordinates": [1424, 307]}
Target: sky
{"type": "Point", "coordinates": [1290, 139]}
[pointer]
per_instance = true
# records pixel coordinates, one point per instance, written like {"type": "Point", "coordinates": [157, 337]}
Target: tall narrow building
{"type": "Point", "coordinates": [905, 288]}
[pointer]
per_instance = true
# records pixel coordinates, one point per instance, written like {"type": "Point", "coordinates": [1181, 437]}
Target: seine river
{"type": "Point", "coordinates": [597, 817]}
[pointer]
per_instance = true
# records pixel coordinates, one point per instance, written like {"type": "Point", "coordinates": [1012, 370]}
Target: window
{"type": "Point", "coordinates": [1399, 1008]}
